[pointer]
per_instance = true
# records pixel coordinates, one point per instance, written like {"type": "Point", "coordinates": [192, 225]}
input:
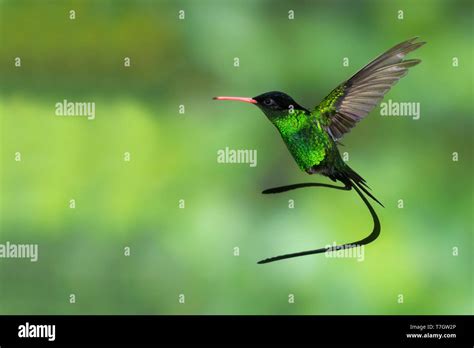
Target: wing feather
{"type": "Point", "coordinates": [352, 100]}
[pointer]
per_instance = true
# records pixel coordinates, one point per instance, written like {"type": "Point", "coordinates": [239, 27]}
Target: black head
{"type": "Point", "coordinates": [273, 104]}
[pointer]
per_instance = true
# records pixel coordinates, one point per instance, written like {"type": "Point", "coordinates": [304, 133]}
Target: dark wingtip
{"type": "Point", "coordinates": [413, 39]}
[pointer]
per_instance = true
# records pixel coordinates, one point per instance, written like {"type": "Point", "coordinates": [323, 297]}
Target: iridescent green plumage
{"type": "Point", "coordinates": [328, 105]}
{"type": "Point", "coordinates": [312, 137]}
{"type": "Point", "coordinates": [306, 140]}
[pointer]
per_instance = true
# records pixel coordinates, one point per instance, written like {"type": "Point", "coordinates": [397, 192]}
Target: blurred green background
{"type": "Point", "coordinates": [173, 156]}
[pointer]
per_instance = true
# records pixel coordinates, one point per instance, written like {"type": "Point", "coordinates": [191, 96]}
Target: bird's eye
{"type": "Point", "coordinates": [268, 101]}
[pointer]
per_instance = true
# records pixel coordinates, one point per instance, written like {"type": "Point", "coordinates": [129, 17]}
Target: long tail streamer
{"type": "Point", "coordinates": [370, 238]}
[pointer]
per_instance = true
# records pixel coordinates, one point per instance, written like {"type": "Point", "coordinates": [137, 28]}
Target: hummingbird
{"type": "Point", "coordinates": [312, 136]}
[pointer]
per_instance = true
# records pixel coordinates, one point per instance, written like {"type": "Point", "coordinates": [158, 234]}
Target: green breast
{"type": "Point", "coordinates": [307, 141]}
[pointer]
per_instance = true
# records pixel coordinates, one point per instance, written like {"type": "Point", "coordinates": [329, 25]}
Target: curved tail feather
{"type": "Point", "coordinates": [351, 180]}
{"type": "Point", "coordinates": [348, 174]}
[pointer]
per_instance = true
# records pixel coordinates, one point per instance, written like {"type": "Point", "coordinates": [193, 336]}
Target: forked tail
{"type": "Point", "coordinates": [352, 180]}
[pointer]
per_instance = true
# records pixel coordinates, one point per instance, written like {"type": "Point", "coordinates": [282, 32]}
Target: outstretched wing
{"type": "Point", "coordinates": [352, 100]}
